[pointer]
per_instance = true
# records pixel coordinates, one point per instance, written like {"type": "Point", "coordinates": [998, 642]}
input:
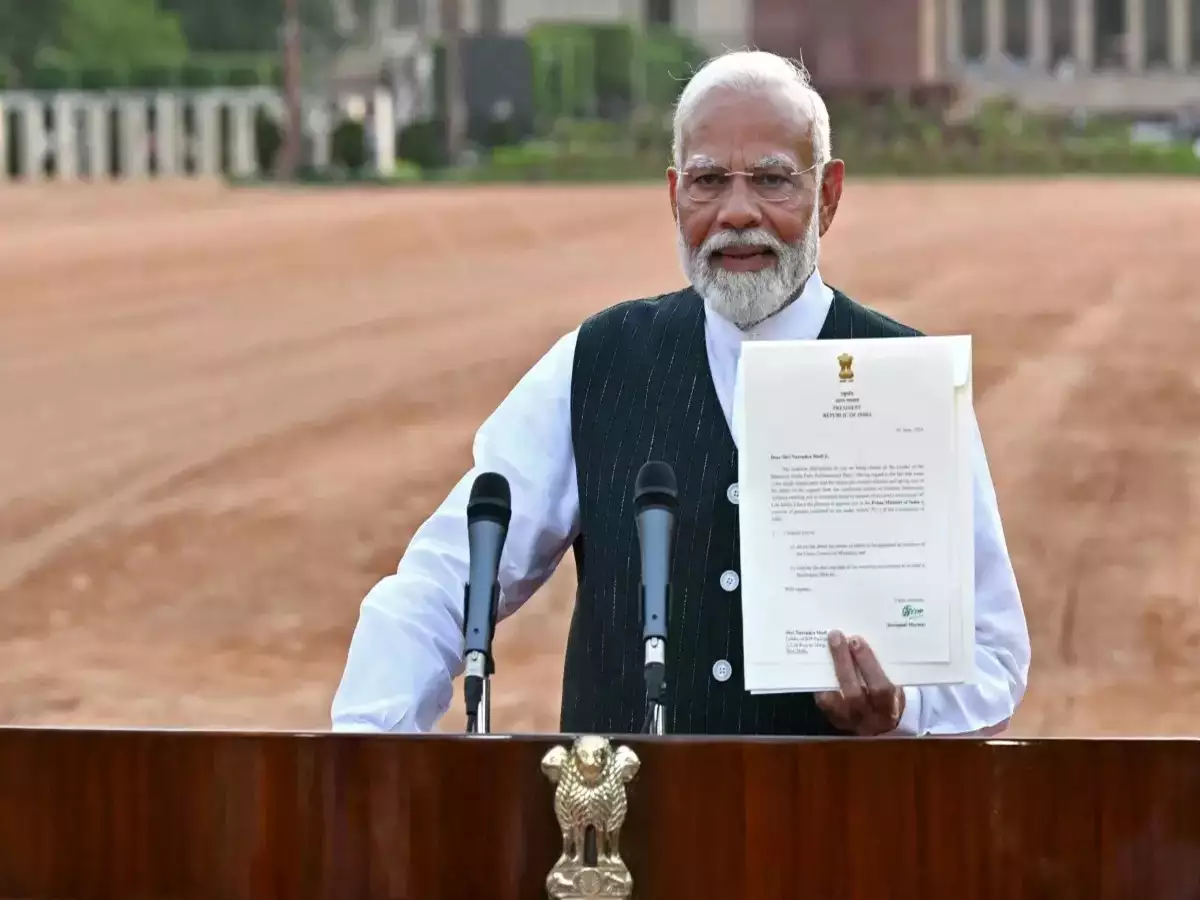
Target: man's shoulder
{"type": "Point", "coordinates": [872, 321]}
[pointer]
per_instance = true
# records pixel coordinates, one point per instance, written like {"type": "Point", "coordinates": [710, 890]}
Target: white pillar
{"type": "Point", "coordinates": [33, 139]}
{"type": "Point", "coordinates": [993, 30]}
{"type": "Point", "coordinates": [1039, 35]}
{"type": "Point", "coordinates": [3, 141]}
{"type": "Point", "coordinates": [1179, 31]}
{"type": "Point", "coordinates": [928, 40]}
{"type": "Point", "coordinates": [166, 134]}
{"type": "Point", "coordinates": [242, 110]}
{"type": "Point", "coordinates": [98, 138]}
{"type": "Point", "coordinates": [1135, 35]}
{"type": "Point", "coordinates": [320, 128]}
{"type": "Point", "coordinates": [66, 139]}
{"type": "Point", "coordinates": [134, 146]}
{"type": "Point", "coordinates": [1083, 16]}
{"type": "Point", "coordinates": [952, 19]}
{"type": "Point", "coordinates": [207, 110]}
{"type": "Point", "coordinates": [384, 123]}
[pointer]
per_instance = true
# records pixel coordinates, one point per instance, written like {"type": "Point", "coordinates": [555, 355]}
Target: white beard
{"type": "Point", "coordinates": [747, 298]}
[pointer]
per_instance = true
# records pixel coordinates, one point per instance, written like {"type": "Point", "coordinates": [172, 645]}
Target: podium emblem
{"type": "Point", "coordinates": [845, 367]}
{"type": "Point", "coordinates": [590, 804]}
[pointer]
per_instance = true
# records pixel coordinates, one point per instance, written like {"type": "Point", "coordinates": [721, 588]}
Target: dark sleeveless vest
{"type": "Point", "coordinates": [641, 390]}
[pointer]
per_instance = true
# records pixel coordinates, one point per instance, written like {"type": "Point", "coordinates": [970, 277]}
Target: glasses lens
{"type": "Point", "coordinates": [706, 186]}
{"type": "Point", "coordinates": [774, 185]}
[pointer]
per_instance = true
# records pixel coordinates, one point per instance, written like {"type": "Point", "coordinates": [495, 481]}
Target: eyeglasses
{"type": "Point", "coordinates": [774, 184]}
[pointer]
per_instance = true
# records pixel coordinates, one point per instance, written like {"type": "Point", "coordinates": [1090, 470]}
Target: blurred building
{"type": "Point", "coordinates": [1123, 56]}
{"type": "Point", "coordinates": [393, 39]}
{"type": "Point", "coordinates": [851, 43]}
{"type": "Point", "coordinates": [718, 23]}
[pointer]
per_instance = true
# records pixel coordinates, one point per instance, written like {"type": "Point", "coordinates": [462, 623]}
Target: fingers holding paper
{"type": "Point", "coordinates": [867, 702]}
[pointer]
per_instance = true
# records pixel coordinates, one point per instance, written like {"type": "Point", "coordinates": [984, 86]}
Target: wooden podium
{"type": "Point", "coordinates": [177, 815]}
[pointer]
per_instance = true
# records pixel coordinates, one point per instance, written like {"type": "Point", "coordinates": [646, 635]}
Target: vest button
{"type": "Point", "coordinates": [730, 580]}
{"type": "Point", "coordinates": [733, 493]}
{"type": "Point", "coordinates": [722, 670]}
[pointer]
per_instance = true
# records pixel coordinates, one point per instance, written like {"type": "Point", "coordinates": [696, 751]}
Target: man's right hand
{"type": "Point", "coordinates": [867, 703]}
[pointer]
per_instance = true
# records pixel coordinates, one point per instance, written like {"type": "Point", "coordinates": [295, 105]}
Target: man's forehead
{"type": "Point", "coordinates": [738, 128]}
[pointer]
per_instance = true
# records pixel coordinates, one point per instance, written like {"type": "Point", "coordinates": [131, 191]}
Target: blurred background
{"type": "Point", "coordinates": [265, 265]}
{"type": "Point", "coordinates": [523, 89]}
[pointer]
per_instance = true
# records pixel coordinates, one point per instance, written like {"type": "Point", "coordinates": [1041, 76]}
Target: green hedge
{"type": "Point", "coordinates": [200, 71]}
{"type": "Point", "coordinates": [608, 70]}
{"type": "Point", "coordinates": [571, 158]}
{"type": "Point", "coordinates": [603, 152]}
{"type": "Point", "coordinates": [551, 162]}
{"type": "Point", "coordinates": [590, 150]}
{"type": "Point", "coordinates": [1026, 160]}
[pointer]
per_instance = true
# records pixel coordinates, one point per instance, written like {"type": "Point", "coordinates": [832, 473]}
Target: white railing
{"type": "Point", "coordinates": [130, 134]}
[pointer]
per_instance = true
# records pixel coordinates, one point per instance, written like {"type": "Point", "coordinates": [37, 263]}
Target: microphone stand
{"type": "Point", "coordinates": [479, 715]}
{"type": "Point", "coordinates": [483, 720]}
{"type": "Point", "coordinates": [656, 685]}
{"type": "Point", "coordinates": [477, 685]}
{"type": "Point", "coordinates": [656, 507]}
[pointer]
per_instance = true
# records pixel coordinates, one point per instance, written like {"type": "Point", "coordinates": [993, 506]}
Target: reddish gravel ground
{"type": "Point", "coordinates": [224, 413]}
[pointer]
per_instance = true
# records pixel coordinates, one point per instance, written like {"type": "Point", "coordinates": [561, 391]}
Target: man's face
{"type": "Point", "coordinates": [748, 246]}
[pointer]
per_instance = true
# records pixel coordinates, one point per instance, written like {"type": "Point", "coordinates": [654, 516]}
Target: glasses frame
{"type": "Point", "coordinates": [684, 175]}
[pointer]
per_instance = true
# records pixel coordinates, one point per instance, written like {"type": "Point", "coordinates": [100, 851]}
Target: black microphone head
{"type": "Point", "coordinates": [491, 498]}
{"type": "Point", "coordinates": [655, 486]}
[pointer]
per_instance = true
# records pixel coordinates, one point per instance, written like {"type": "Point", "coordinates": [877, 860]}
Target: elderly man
{"type": "Point", "coordinates": [753, 189]}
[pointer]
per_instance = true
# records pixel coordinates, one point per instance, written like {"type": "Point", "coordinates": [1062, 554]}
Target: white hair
{"type": "Point", "coordinates": [756, 69]}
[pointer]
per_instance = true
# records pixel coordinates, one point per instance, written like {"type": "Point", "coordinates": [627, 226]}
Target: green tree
{"type": "Point", "coordinates": [248, 26]}
{"type": "Point", "coordinates": [27, 27]}
{"type": "Point", "coordinates": [119, 34]}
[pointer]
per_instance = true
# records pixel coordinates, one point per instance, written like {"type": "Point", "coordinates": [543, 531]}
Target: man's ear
{"type": "Point", "coordinates": [673, 189]}
{"type": "Point", "coordinates": [831, 192]}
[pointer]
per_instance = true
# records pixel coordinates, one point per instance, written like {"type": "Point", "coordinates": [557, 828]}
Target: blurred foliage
{"type": "Point", "coordinates": [26, 29]}
{"type": "Point", "coordinates": [608, 71]}
{"type": "Point", "coordinates": [57, 71]}
{"type": "Point", "coordinates": [892, 137]}
{"type": "Point", "coordinates": [603, 97]}
{"type": "Point", "coordinates": [133, 33]}
{"type": "Point", "coordinates": [598, 80]}
{"type": "Point", "coordinates": [55, 35]}
{"type": "Point", "coordinates": [49, 44]}
{"type": "Point", "coordinates": [877, 132]}
{"type": "Point", "coordinates": [250, 26]}
{"type": "Point", "coordinates": [348, 146]}
{"type": "Point", "coordinates": [423, 143]}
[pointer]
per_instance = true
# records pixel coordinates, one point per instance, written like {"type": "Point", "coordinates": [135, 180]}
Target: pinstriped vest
{"type": "Point", "coordinates": [641, 389]}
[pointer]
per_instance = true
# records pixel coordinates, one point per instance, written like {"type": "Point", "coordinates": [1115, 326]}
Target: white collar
{"type": "Point", "coordinates": [802, 319]}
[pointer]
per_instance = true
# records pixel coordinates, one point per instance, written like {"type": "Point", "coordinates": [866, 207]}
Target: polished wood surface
{"type": "Point", "coordinates": [131, 815]}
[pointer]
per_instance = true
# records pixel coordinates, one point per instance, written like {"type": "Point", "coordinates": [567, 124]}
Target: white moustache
{"type": "Point", "coordinates": [754, 237]}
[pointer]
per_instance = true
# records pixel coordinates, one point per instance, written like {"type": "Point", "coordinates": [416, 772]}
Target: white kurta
{"type": "Point", "coordinates": [406, 648]}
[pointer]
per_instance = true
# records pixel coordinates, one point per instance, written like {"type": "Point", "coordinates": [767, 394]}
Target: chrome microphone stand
{"type": "Point", "coordinates": [656, 720]}
{"type": "Point", "coordinates": [478, 681]}
{"type": "Point", "coordinates": [483, 721]}
{"type": "Point", "coordinates": [656, 685]}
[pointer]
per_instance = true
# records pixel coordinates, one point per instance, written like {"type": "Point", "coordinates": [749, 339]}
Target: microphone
{"type": "Point", "coordinates": [489, 511]}
{"type": "Point", "coordinates": [656, 506]}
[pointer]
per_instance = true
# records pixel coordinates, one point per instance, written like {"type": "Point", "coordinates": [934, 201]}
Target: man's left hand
{"type": "Point", "coordinates": [868, 703]}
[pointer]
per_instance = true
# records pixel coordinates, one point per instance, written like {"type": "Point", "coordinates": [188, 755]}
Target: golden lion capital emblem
{"type": "Point", "coordinates": [845, 367]}
{"type": "Point", "coordinates": [590, 804]}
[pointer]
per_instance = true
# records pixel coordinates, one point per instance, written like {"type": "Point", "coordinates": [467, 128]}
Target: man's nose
{"type": "Point", "coordinates": [739, 206]}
